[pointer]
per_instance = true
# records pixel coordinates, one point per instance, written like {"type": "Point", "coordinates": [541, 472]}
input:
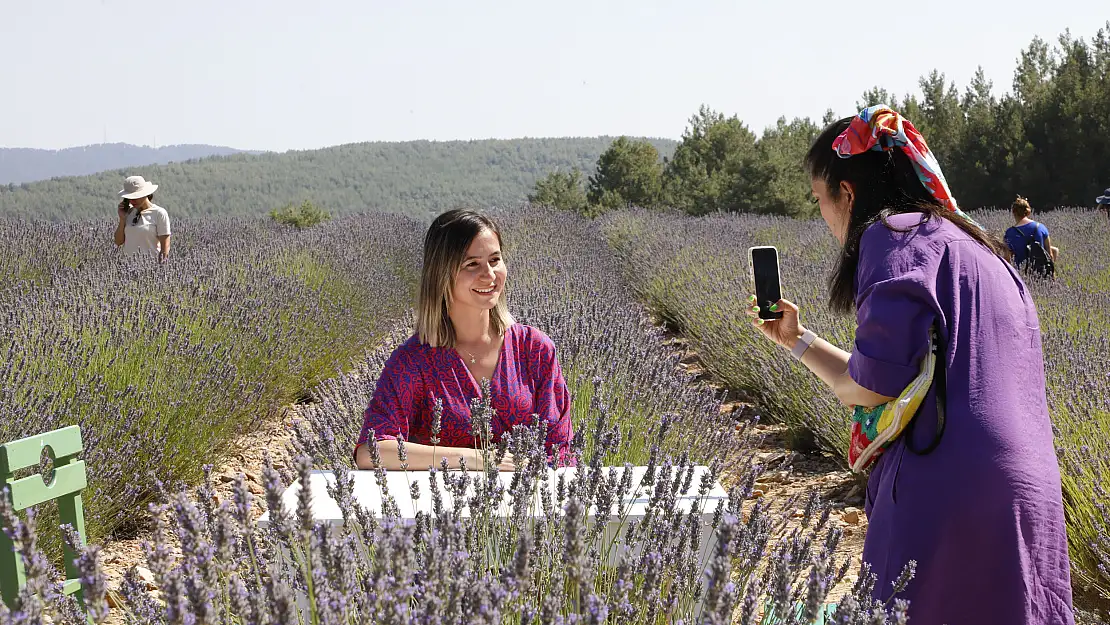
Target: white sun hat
{"type": "Point", "coordinates": [136, 187]}
{"type": "Point", "coordinates": [1104, 198]}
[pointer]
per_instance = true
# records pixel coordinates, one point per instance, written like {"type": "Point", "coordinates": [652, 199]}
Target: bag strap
{"type": "Point", "coordinates": [940, 366]}
{"type": "Point", "coordinates": [1029, 240]}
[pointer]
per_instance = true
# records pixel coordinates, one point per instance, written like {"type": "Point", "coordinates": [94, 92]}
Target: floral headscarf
{"type": "Point", "coordinates": [882, 129]}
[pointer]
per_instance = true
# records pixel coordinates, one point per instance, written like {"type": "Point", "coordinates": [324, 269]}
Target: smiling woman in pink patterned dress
{"type": "Point", "coordinates": [464, 334]}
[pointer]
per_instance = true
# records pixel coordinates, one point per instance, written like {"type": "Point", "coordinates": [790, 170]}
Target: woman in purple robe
{"type": "Point", "coordinates": [974, 498]}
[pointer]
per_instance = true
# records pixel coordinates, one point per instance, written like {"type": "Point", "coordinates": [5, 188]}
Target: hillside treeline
{"type": "Point", "coordinates": [414, 177]}
{"type": "Point", "coordinates": [1047, 139]}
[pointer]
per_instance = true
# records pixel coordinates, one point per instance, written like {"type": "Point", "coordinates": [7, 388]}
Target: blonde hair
{"type": "Point", "coordinates": [445, 246]}
{"type": "Point", "coordinates": [1021, 208]}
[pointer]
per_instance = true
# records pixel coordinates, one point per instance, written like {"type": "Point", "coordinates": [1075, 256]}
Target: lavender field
{"type": "Point", "coordinates": [166, 366]}
{"type": "Point", "coordinates": [163, 366]}
{"type": "Point", "coordinates": [693, 272]}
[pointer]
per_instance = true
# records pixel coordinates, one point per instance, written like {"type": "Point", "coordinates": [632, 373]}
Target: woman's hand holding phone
{"type": "Point", "coordinates": [785, 331]}
{"type": "Point", "coordinates": [122, 209]}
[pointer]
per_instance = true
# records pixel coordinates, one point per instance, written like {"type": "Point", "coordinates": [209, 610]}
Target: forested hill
{"type": "Point", "coordinates": [27, 164]}
{"type": "Point", "coordinates": [414, 177]}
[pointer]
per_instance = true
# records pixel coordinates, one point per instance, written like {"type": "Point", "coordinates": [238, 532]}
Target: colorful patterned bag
{"type": "Point", "coordinates": [874, 429]}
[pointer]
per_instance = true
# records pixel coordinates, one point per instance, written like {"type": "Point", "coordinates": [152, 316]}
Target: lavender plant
{"type": "Point", "coordinates": [72, 245]}
{"type": "Point", "coordinates": [467, 562]}
{"type": "Point", "coordinates": [694, 273]}
{"type": "Point", "coordinates": [566, 280]}
{"type": "Point", "coordinates": [623, 379]}
{"type": "Point", "coordinates": [701, 289]}
{"type": "Point", "coordinates": [631, 405]}
{"type": "Point", "coordinates": [164, 366]}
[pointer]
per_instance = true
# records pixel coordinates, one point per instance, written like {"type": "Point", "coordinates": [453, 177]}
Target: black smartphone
{"type": "Point", "coordinates": [764, 261]}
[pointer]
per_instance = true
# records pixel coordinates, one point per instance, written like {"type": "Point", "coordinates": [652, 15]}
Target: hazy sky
{"type": "Point", "coordinates": [291, 74]}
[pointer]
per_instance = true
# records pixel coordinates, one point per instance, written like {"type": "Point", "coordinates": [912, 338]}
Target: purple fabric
{"type": "Point", "coordinates": [527, 381]}
{"type": "Point", "coordinates": [983, 514]}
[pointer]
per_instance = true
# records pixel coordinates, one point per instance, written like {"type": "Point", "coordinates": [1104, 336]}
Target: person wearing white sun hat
{"type": "Point", "coordinates": [144, 227]}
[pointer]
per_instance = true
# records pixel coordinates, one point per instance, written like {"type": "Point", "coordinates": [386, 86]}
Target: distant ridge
{"type": "Point", "coordinates": [416, 178]}
{"type": "Point", "coordinates": [18, 165]}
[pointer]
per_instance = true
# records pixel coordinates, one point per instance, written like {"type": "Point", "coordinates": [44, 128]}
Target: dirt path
{"type": "Point", "coordinates": [118, 556]}
{"type": "Point", "coordinates": [801, 474]}
{"type": "Point", "coordinates": [818, 472]}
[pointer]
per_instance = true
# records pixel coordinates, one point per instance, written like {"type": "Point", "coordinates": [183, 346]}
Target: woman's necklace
{"type": "Point", "coordinates": [473, 358]}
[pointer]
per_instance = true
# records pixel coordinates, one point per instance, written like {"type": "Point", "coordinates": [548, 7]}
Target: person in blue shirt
{"type": "Point", "coordinates": [1024, 230]}
{"type": "Point", "coordinates": [1103, 202]}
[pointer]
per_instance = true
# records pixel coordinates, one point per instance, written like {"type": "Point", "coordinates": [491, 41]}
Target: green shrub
{"type": "Point", "coordinates": [304, 216]}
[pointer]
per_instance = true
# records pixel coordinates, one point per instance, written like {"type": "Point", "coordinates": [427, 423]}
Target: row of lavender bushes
{"type": "Point", "coordinates": [463, 563]}
{"type": "Point", "coordinates": [632, 405]}
{"type": "Point", "coordinates": [694, 273]}
{"type": "Point", "coordinates": [164, 365]}
{"type": "Point", "coordinates": [567, 281]}
{"type": "Point", "coordinates": [564, 280]}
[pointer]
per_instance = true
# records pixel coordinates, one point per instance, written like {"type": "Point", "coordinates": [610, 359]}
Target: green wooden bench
{"type": "Point", "coordinates": [66, 485]}
{"type": "Point", "coordinates": [823, 615]}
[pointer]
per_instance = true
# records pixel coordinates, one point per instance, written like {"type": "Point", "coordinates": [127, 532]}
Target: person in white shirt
{"type": "Point", "coordinates": [144, 227]}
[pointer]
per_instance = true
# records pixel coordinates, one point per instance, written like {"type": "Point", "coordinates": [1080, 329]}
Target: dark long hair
{"type": "Point", "coordinates": [885, 184]}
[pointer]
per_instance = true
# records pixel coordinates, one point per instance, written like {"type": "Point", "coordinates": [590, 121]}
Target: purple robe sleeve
{"type": "Point", "coordinates": [895, 306]}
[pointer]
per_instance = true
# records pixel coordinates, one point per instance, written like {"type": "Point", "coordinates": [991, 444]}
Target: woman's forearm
{"type": "Point", "coordinates": [163, 247]}
{"type": "Point", "coordinates": [830, 363]}
{"type": "Point", "coordinates": [120, 236]}
{"type": "Point", "coordinates": [418, 457]}
{"type": "Point", "coordinates": [825, 360]}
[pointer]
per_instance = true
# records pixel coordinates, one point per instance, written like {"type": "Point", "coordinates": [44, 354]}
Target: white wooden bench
{"type": "Point", "coordinates": [368, 495]}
